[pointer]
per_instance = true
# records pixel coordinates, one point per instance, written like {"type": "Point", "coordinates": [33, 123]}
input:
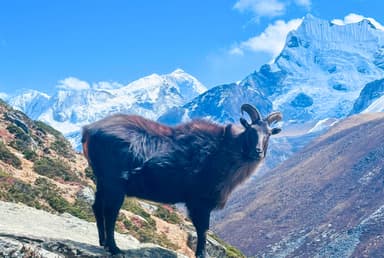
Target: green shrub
{"type": "Point", "coordinates": [54, 168]}
{"type": "Point", "coordinates": [49, 192]}
{"type": "Point", "coordinates": [89, 174]}
{"type": "Point", "coordinates": [8, 157]}
{"type": "Point", "coordinates": [13, 129]}
{"type": "Point", "coordinates": [30, 155]}
{"type": "Point", "coordinates": [63, 148]}
{"type": "Point", "coordinates": [230, 251]}
{"type": "Point", "coordinates": [14, 190]}
{"type": "Point", "coordinates": [22, 140]}
{"type": "Point", "coordinates": [146, 233]}
{"type": "Point", "coordinates": [132, 205]}
{"type": "Point", "coordinates": [167, 215]}
{"type": "Point", "coordinates": [48, 129]}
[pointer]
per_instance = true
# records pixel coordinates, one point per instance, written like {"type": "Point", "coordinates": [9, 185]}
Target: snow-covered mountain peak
{"type": "Point", "coordinates": [326, 66]}
{"type": "Point", "coordinates": [77, 102]}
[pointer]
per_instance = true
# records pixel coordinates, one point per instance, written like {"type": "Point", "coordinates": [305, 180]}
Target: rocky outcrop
{"type": "Point", "coordinates": [368, 95]}
{"type": "Point", "coordinates": [28, 232]}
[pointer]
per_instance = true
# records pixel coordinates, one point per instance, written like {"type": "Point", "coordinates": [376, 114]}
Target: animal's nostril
{"type": "Point", "coordinates": [258, 150]}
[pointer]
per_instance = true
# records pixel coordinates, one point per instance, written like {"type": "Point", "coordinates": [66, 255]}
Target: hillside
{"type": "Point", "coordinates": [39, 168]}
{"type": "Point", "coordinates": [325, 201]}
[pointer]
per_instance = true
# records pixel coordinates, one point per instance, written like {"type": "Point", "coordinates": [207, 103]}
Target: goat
{"type": "Point", "coordinates": [198, 163]}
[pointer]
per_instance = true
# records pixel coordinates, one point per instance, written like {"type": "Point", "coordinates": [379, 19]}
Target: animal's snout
{"type": "Point", "coordinates": [259, 151]}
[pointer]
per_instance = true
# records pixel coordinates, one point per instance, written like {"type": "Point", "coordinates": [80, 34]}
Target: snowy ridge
{"type": "Point", "coordinates": [327, 65]}
{"type": "Point", "coordinates": [316, 79]}
{"type": "Point", "coordinates": [70, 108]}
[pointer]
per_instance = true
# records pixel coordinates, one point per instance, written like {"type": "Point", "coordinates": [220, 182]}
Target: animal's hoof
{"type": "Point", "coordinates": [202, 255]}
{"type": "Point", "coordinates": [113, 249]}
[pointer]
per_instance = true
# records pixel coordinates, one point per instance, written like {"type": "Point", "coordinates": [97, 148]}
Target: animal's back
{"type": "Point", "coordinates": [123, 142]}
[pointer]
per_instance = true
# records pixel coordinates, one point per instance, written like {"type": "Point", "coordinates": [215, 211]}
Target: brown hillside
{"type": "Point", "coordinates": [326, 201]}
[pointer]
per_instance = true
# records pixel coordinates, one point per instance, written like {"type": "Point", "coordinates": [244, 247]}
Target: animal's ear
{"type": "Point", "coordinates": [275, 131]}
{"type": "Point", "coordinates": [244, 123]}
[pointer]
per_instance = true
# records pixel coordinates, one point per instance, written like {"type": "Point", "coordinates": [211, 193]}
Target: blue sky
{"type": "Point", "coordinates": [43, 42]}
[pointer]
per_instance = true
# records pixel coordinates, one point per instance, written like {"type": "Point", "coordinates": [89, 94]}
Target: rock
{"type": "Point", "coordinates": [28, 232]}
{"type": "Point", "coordinates": [87, 195]}
{"type": "Point", "coordinates": [214, 248]}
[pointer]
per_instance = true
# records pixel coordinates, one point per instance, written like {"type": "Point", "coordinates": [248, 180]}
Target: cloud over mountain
{"type": "Point", "coordinates": [271, 40]}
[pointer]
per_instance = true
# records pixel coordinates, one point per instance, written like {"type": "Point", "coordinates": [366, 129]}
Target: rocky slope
{"type": "Point", "coordinates": [370, 98]}
{"type": "Point", "coordinates": [325, 201]}
{"type": "Point", "coordinates": [39, 168]}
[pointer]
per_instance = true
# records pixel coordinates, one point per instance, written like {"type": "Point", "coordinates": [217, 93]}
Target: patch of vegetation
{"type": "Point", "coordinates": [132, 205]}
{"type": "Point", "coordinates": [48, 129]}
{"type": "Point", "coordinates": [54, 168]}
{"type": "Point", "coordinates": [30, 155]}
{"type": "Point", "coordinates": [62, 148]}
{"type": "Point", "coordinates": [230, 251]}
{"type": "Point", "coordinates": [22, 141]}
{"type": "Point", "coordinates": [40, 194]}
{"type": "Point", "coordinates": [167, 215]}
{"type": "Point", "coordinates": [8, 157]}
{"type": "Point", "coordinates": [13, 129]}
{"type": "Point", "coordinates": [143, 230]}
{"type": "Point", "coordinates": [50, 193]}
{"type": "Point", "coordinates": [89, 174]}
{"type": "Point", "coordinates": [146, 232]}
{"type": "Point", "coordinates": [15, 190]}
{"type": "Point", "coordinates": [3, 174]}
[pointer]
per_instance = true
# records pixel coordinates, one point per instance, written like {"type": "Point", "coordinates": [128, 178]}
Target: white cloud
{"type": "Point", "coordinates": [271, 40]}
{"type": "Point", "coordinates": [353, 18]}
{"type": "Point", "coordinates": [106, 85]}
{"type": "Point", "coordinates": [269, 8]}
{"type": "Point", "coordinates": [72, 83]}
{"type": "Point", "coordinates": [303, 3]}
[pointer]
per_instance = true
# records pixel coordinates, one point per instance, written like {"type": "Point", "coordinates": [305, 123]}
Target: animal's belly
{"type": "Point", "coordinates": [158, 189]}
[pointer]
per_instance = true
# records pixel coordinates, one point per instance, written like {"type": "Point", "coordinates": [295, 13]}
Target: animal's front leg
{"type": "Point", "coordinates": [200, 217]}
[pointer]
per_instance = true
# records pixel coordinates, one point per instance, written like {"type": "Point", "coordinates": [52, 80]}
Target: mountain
{"type": "Point", "coordinates": [39, 169]}
{"type": "Point", "coordinates": [318, 75]}
{"type": "Point", "coordinates": [221, 103]}
{"type": "Point", "coordinates": [327, 66]}
{"type": "Point", "coordinates": [72, 107]}
{"type": "Point", "coordinates": [325, 201]}
{"type": "Point", "coordinates": [370, 98]}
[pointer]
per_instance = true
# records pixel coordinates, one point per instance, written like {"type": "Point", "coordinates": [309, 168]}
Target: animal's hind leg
{"type": "Point", "coordinates": [111, 211]}
{"type": "Point", "coordinates": [98, 210]}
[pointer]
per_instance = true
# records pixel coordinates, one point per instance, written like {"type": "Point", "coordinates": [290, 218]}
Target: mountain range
{"type": "Point", "coordinates": [325, 71]}
{"type": "Point", "coordinates": [70, 107]}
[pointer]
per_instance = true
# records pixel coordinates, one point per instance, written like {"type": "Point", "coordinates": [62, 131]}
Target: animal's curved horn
{"type": "Point", "coordinates": [253, 113]}
{"type": "Point", "coordinates": [274, 117]}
